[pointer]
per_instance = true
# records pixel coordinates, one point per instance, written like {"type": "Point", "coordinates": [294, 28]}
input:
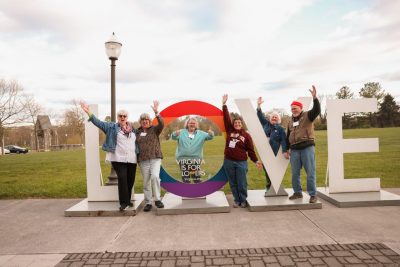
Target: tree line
{"type": "Point", "coordinates": [388, 114]}
{"type": "Point", "coordinates": [19, 111]}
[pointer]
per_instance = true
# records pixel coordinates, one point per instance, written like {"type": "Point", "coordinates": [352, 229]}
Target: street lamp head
{"type": "Point", "coordinates": [113, 47]}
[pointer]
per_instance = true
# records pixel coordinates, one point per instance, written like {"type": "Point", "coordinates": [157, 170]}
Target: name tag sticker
{"type": "Point", "coordinates": [143, 134]}
{"type": "Point", "coordinates": [232, 144]}
{"type": "Point", "coordinates": [295, 124]}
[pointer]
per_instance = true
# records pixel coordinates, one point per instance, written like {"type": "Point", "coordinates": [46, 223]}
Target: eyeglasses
{"type": "Point", "coordinates": [122, 116]}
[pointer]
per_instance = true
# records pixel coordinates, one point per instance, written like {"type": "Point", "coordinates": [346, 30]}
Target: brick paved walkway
{"type": "Point", "coordinates": [361, 254]}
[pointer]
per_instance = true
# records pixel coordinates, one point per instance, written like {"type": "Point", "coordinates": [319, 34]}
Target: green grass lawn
{"type": "Point", "coordinates": [61, 174]}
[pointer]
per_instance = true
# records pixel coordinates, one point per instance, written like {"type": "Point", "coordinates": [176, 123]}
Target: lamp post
{"type": "Point", "coordinates": [113, 50]}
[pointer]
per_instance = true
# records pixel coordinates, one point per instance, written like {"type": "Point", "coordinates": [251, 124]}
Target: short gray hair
{"type": "Point", "coordinates": [277, 115]}
{"type": "Point", "coordinates": [144, 116]}
{"type": "Point", "coordinates": [191, 119]}
{"type": "Point", "coordinates": [122, 112]}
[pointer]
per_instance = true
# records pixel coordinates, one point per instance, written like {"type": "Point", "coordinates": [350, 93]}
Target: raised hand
{"type": "Point", "coordinates": [259, 101]}
{"type": "Point", "coordinates": [84, 106]}
{"type": "Point", "coordinates": [155, 106]}
{"type": "Point", "coordinates": [224, 99]}
{"type": "Point", "coordinates": [313, 91]}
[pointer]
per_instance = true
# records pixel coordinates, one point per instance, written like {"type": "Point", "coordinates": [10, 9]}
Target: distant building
{"type": "Point", "coordinates": [46, 135]}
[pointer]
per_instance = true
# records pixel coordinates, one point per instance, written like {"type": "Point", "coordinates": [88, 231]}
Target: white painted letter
{"type": "Point", "coordinates": [337, 146]}
{"type": "Point", "coordinates": [95, 191]}
{"type": "Point", "coordinates": [275, 166]}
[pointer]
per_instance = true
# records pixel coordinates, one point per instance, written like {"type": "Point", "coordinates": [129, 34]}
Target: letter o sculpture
{"type": "Point", "coordinates": [214, 183]}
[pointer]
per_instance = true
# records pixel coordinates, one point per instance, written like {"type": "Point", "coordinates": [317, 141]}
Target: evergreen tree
{"type": "Point", "coordinates": [389, 112]}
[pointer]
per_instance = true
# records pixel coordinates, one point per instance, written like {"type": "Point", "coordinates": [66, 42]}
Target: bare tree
{"type": "Point", "coordinates": [344, 93]}
{"type": "Point", "coordinates": [373, 90]}
{"type": "Point", "coordinates": [74, 120]}
{"type": "Point", "coordinates": [323, 98]}
{"type": "Point", "coordinates": [33, 109]}
{"type": "Point", "coordinates": [12, 105]}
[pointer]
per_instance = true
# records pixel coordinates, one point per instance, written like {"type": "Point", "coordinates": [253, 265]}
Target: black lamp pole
{"type": "Point", "coordinates": [113, 117]}
{"type": "Point", "coordinates": [113, 50]}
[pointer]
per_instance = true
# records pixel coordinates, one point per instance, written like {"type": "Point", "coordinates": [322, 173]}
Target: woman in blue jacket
{"type": "Point", "coordinates": [189, 151]}
{"type": "Point", "coordinates": [120, 147]}
{"type": "Point", "coordinates": [275, 132]}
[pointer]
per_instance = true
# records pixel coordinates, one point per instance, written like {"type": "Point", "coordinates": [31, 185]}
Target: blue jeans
{"type": "Point", "coordinates": [237, 171]}
{"type": "Point", "coordinates": [303, 158]}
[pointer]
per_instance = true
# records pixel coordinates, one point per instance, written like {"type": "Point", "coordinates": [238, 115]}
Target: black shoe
{"type": "Point", "coordinates": [147, 208]}
{"type": "Point", "coordinates": [130, 204]}
{"type": "Point", "coordinates": [122, 207]}
{"type": "Point", "coordinates": [313, 199]}
{"type": "Point", "coordinates": [296, 196]}
{"type": "Point", "coordinates": [159, 204]}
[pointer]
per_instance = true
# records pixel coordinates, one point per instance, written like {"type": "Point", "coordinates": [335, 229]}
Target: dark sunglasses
{"type": "Point", "coordinates": [122, 116]}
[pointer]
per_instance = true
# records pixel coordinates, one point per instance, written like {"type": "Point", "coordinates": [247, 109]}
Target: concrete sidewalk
{"type": "Point", "coordinates": [35, 230]}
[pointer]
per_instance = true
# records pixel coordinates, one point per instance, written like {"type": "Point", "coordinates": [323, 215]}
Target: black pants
{"type": "Point", "coordinates": [126, 173]}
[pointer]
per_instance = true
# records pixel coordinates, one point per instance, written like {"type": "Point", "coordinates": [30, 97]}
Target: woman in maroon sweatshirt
{"type": "Point", "coordinates": [238, 146]}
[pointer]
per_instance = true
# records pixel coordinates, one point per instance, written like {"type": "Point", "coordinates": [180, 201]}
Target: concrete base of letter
{"type": "Point", "coordinates": [213, 203]}
{"type": "Point", "coordinates": [359, 199]}
{"type": "Point", "coordinates": [258, 202]}
{"type": "Point", "coordinates": [87, 208]}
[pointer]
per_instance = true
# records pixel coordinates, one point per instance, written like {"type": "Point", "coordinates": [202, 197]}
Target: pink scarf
{"type": "Point", "coordinates": [126, 130]}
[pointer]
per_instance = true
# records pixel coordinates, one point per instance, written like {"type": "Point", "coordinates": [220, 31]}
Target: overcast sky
{"type": "Point", "coordinates": [198, 49]}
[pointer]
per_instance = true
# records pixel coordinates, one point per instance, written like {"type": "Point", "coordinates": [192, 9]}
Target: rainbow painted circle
{"type": "Point", "coordinates": [214, 183]}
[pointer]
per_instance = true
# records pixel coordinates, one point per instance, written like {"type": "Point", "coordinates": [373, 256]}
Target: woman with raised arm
{"type": "Point", "coordinates": [189, 150]}
{"type": "Point", "coordinates": [120, 147]}
{"type": "Point", "coordinates": [238, 147]}
{"type": "Point", "coordinates": [150, 155]}
{"type": "Point", "coordinates": [276, 134]}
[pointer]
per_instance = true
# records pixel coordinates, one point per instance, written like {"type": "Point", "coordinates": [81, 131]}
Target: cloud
{"type": "Point", "coordinates": [179, 50]}
{"type": "Point", "coordinates": [359, 49]}
{"type": "Point", "coordinates": [391, 76]}
{"type": "Point", "coordinates": [279, 85]}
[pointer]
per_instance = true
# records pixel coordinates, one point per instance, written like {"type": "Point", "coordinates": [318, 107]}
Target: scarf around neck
{"type": "Point", "coordinates": [127, 130]}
